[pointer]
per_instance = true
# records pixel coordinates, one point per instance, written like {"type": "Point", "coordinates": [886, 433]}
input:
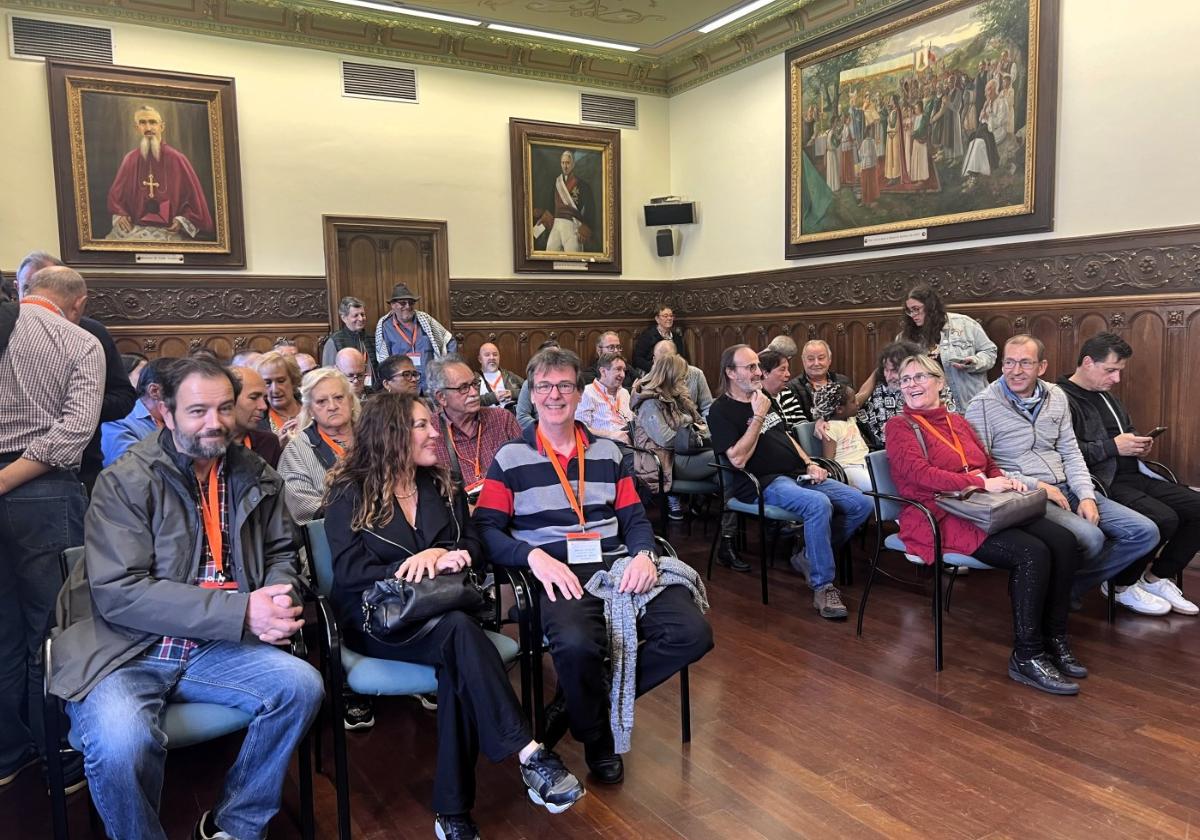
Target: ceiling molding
{"type": "Point", "coordinates": [363, 32]}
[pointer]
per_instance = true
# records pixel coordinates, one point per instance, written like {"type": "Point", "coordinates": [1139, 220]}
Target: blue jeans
{"type": "Point", "coordinates": [37, 521]}
{"type": "Point", "coordinates": [818, 505]}
{"type": "Point", "coordinates": [1123, 536]}
{"type": "Point", "coordinates": [125, 750]}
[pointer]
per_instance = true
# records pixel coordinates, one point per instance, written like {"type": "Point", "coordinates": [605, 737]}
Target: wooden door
{"type": "Point", "coordinates": [366, 257]}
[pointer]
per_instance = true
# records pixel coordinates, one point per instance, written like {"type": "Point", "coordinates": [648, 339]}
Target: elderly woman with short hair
{"type": "Point", "coordinates": [282, 376]}
{"type": "Point", "coordinates": [329, 409]}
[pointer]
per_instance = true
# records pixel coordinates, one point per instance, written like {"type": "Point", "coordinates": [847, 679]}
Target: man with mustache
{"type": "Point", "coordinates": [752, 434]}
{"type": "Point", "coordinates": [156, 194]}
{"type": "Point", "coordinates": [191, 561]}
{"type": "Point", "coordinates": [248, 415]}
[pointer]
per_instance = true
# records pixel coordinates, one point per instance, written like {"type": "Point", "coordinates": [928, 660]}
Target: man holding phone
{"type": "Point", "coordinates": [1113, 449]}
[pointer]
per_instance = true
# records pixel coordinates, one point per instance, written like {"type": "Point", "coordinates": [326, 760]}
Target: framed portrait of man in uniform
{"type": "Point", "coordinates": [146, 167]}
{"type": "Point", "coordinates": [566, 197]}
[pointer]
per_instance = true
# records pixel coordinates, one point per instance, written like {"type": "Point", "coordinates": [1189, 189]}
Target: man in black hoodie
{"type": "Point", "coordinates": [1113, 449]}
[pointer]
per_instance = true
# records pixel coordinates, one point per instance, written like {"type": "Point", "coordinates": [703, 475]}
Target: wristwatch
{"type": "Point", "coordinates": [652, 555]}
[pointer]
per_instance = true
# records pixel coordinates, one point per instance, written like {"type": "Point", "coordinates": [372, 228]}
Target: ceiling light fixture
{"type": "Point", "coordinates": [402, 10]}
{"type": "Point", "coordinates": [734, 15]}
{"type": "Point", "coordinates": [534, 33]}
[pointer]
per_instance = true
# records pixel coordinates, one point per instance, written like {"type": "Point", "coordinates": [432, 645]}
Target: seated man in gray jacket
{"type": "Point", "coordinates": [189, 583]}
{"type": "Point", "coordinates": [1025, 424]}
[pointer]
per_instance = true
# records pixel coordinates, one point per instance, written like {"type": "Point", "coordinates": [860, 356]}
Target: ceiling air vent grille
{"type": "Point", "coordinates": [376, 81]}
{"type": "Point", "coordinates": [598, 109]}
{"type": "Point", "coordinates": [36, 38]}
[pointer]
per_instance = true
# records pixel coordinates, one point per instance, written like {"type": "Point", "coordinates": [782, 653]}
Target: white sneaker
{"type": "Point", "coordinates": [1133, 597]}
{"type": "Point", "coordinates": [1166, 589]}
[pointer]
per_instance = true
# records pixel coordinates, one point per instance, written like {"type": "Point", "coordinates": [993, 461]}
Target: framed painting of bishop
{"type": "Point", "coordinates": [146, 167]}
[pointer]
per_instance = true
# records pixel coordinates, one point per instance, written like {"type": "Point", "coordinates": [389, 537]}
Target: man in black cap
{"type": "Point", "coordinates": [408, 331]}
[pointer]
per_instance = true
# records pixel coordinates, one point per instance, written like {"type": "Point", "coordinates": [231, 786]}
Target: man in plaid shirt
{"type": "Point", "coordinates": [190, 568]}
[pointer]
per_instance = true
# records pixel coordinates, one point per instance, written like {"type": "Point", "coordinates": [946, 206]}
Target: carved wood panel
{"type": "Point", "coordinates": [179, 341]}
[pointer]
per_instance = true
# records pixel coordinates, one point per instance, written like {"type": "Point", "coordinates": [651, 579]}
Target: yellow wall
{"type": "Point", "coordinates": [306, 151]}
{"type": "Point", "coordinates": [1128, 122]}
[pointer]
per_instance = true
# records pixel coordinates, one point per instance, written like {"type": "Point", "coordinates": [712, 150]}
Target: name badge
{"type": "Point", "coordinates": [417, 359]}
{"type": "Point", "coordinates": [583, 548]}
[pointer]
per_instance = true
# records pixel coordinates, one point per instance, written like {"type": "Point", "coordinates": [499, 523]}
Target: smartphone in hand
{"type": "Point", "coordinates": [1156, 431]}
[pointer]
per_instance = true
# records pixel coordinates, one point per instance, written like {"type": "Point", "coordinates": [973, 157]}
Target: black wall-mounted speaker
{"type": "Point", "coordinates": [681, 213]}
{"type": "Point", "coordinates": [666, 242]}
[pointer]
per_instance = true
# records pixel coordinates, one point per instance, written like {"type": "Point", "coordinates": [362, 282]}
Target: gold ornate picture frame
{"type": "Point", "coordinates": [934, 123]}
{"type": "Point", "coordinates": [146, 167]}
{"type": "Point", "coordinates": [566, 184]}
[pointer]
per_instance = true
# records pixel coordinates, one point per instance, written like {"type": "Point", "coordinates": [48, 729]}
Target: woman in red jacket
{"type": "Point", "coordinates": [1040, 556]}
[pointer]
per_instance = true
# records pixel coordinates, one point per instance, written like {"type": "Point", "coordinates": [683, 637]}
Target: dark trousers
{"type": "Point", "coordinates": [1041, 558]}
{"type": "Point", "coordinates": [38, 520]}
{"type": "Point", "coordinates": [672, 633]}
{"type": "Point", "coordinates": [1175, 509]}
{"type": "Point", "coordinates": [476, 704]}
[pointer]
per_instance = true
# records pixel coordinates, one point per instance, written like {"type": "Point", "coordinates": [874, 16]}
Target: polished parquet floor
{"type": "Point", "coordinates": [803, 730]}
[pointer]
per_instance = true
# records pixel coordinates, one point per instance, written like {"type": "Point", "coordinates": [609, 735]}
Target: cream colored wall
{"type": "Point", "coordinates": [1128, 117]}
{"type": "Point", "coordinates": [306, 151]}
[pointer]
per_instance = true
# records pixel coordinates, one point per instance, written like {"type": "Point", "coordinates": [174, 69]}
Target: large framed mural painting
{"type": "Point", "coordinates": [566, 190]}
{"type": "Point", "coordinates": [934, 123]}
{"type": "Point", "coordinates": [146, 167]}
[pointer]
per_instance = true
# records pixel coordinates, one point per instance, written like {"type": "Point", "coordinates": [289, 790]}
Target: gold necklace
{"type": "Point", "coordinates": [400, 497]}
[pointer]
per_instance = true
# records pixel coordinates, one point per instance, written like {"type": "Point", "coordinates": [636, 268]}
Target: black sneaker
{"type": "Point", "coordinates": [428, 701]}
{"type": "Point", "coordinates": [72, 764]}
{"type": "Point", "coordinates": [1059, 651]}
{"type": "Point", "coordinates": [674, 509]}
{"type": "Point", "coordinates": [455, 827]}
{"type": "Point", "coordinates": [1041, 674]}
{"type": "Point", "coordinates": [360, 712]}
{"type": "Point", "coordinates": [549, 781]}
{"type": "Point", "coordinates": [727, 556]}
{"type": "Point", "coordinates": [30, 759]}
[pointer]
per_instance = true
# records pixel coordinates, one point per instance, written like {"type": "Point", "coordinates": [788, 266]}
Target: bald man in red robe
{"type": "Point", "coordinates": [156, 194]}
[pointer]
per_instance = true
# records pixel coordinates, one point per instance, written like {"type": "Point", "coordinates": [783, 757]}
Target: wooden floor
{"type": "Point", "coordinates": [803, 730]}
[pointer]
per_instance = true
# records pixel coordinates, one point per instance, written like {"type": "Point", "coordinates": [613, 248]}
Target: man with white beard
{"type": "Point", "coordinates": [156, 195]}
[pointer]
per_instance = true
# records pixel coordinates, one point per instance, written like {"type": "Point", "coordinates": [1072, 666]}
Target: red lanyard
{"type": "Point", "coordinates": [337, 448]}
{"type": "Point", "coordinates": [478, 447]}
{"type": "Point", "coordinates": [956, 446]}
{"type": "Point", "coordinates": [412, 341]}
{"type": "Point", "coordinates": [576, 502]}
{"type": "Point", "coordinates": [492, 385]}
{"type": "Point", "coordinates": [613, 405]}
{"type": "Point", "coordinates": [210, 510]}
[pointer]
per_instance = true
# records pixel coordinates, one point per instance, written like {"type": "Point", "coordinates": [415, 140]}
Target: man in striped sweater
{"type": "Point", "coordinates": [560, 502]}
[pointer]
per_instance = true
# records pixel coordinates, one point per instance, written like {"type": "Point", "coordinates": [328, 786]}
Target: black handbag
{"type": "Point", "coordinates": [396, 610]}
{"type": "Point", "coordinates": [693, 439]}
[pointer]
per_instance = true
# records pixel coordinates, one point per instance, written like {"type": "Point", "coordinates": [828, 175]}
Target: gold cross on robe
{"type": "Point", "coordinates": [151, 183]}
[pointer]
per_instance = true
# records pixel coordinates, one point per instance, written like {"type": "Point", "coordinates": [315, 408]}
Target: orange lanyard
{"type": "Point", "coordinates": [337, 448]}
{"type": "Point", "coordinates": [576, 502]}
{"type": "Point", "coordinates": [412, 341]}
{"type": "Point", "coordinates": [613, 405]}
{"type": "Point", "coordinates": [210, 510]}
{"type": "Point", "coordinates": [478, 446]}
{"type": "Point", "coordinates": [492, 385]}
{"type": "Point", "coordinates": [45, 304]}
{"type": "Point", "coordinates": [956, 446]}
{"type": "Point", "coordinates": [277, 419]}
{"type": "Point", "coordinates": [248, 443]}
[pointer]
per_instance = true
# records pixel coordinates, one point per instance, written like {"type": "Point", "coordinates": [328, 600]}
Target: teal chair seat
{"type": "Point", "coordinates": [770, 511]}
{"type": "Point", "coordinates": [192, 723]}
{"type": "Point", "coordinates": [382, 677]}
{"type": "Point", "coordinates": [894, 542]}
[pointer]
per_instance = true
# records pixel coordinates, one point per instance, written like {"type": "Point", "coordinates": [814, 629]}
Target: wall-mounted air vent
{"type": "Point", "coordinates": [598, 109]}
{"type": "Point", "coordinates": [37, 39]}
{"type": "Point", "coordinates": [376, 81]}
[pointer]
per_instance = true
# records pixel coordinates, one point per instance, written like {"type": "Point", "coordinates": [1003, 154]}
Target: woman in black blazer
{"type": "Point", "coordinates": [392, 511]}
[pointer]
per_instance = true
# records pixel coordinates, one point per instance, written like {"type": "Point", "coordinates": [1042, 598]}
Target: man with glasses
{"type": "Point", "coordinates": [609, 344]}
{"type": "Point", "coordinates": [409, 331]}
{"type": "Point", "coordinates": [1025, 423]}
{"type": "Point", "coordinates": [562, 503]}
{"type": "Point", "coordinates": [353, 365]}
{"type": "Point", "coordinates": [470, 434]}
{"type": "Point", "coordinates": [753, 435]}
{"type": "Point", "coordinates": [604, 404]}
{"type": "Point", "coordinates": [398, 376]}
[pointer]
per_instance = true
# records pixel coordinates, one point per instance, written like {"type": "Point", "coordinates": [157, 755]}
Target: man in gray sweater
{"type": "Point", "coordinates": [1025, 424]}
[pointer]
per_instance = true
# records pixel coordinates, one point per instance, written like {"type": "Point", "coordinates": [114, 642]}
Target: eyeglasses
{"type": "Point", "coordinates": [466, 388]}
{"type": "Point", "coordinates": [1023, 364]}
{"type": "Point", "coordinates": [916, 379]}
{"type": "Point", "coordinates": [564, 388]}
{"type": "Point", "coordinates": [356, 377]}
{"type": "Point", "coordinates": [913, 310]}
{"type": "Point", "coordinates": [753, 366]}
{"type": "Point", "coordinates": [407, 374]}
{"type": "Point", "coordinates": [611, 348]}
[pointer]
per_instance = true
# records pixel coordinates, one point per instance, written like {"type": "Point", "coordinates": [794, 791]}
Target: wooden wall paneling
{"type": "Point", "coordinates": [225, 342]}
